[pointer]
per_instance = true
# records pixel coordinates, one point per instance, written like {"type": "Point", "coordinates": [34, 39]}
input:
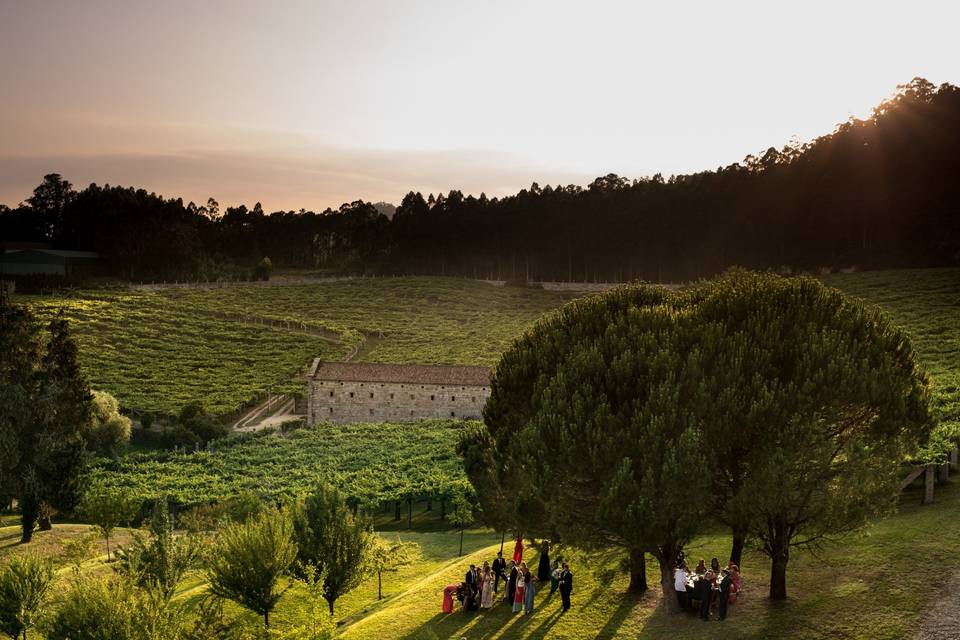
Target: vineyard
{"type": "Point", "coordinates": [371, 463]}
{"type": "Point", "coordinates": [157, 350]}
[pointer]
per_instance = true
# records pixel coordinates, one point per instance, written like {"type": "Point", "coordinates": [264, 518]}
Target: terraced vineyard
{"type": "Point", "coordinates": [157, 350]}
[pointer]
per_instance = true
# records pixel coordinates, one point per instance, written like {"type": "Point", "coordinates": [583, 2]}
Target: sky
{"type": "Point", "coordinates": [307, 103]}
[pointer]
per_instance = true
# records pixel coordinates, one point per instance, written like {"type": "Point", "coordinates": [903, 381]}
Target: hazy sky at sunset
{"type": "Point", "coordinates": [310, 103]}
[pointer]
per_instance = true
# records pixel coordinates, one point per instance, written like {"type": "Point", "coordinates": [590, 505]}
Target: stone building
{"type": "Point", "coordinates": [346, 392]}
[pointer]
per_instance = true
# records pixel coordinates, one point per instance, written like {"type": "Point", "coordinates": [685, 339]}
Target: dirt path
{"type": "Point", "coordinates": [942, 622]}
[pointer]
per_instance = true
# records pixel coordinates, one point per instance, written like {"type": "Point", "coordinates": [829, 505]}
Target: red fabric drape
{"type": "Point", "coordinates": [518, 550]}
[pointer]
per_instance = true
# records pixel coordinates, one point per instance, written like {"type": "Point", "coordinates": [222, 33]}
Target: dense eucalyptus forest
{"type": "Point", "coordinates": [878, 192]}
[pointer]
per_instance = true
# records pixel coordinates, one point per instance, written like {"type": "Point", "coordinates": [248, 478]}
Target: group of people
{"type": "Point", "coordinates": [480, 587]}
{"type": "Point", "coordinates": [706, 589]}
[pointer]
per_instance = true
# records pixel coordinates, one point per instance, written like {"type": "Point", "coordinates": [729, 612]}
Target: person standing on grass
{"type": "Point", "coordinates": [518, 598]}
{"type": "Point", "coordinates": [528, 596]}
{"type": "Point", "coordinates": [511, 583]}
{"type": "Point", "coordinates": [566, 586]}
{"type": "Point", "coordinates": [724, 598]}
{"type": "Point", "coordinates": [555, 576]}
{"type": "Point", "coordinates": [499, 571]}
{"type": "Point", "coordinates": [704, 592]}
{"type": "Point", "coordinates": [680, 577]}
{"type": "Point", "coordinates": [486, 593]}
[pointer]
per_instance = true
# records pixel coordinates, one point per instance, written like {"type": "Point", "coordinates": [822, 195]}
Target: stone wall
{"type": "Point", "coordinates": [345, 402]}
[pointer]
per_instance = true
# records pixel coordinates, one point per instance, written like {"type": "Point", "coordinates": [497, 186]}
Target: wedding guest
{"type": "Point", "coordinates": [723, 598]}
{"type": "Point", "coordinates": [701, 567]}
{"type": "Point", "coordinates": [499, 571]}
{"type": "Point", "coordinates": [735, 581]}
{"type": "Point", "coordinates": [704, 589]}
{"type": "Point", "coordinates": [680, 577]}
{"type": "Point", "coordinates": [518, 598]}
{"type": "Point", "coordinates": [554, 576]}
{"type": "Point", "coordinates": [530, 591]}
{"type": "Point", "coordinates": [511, 584]}
{"type": "Point", "coordinates": [566, 586]}
{"type": "Point", "coordinates": [486, 593]}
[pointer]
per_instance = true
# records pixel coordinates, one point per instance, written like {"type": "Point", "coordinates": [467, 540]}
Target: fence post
{"type": "Point", "coordinates": [953, 458]}
{"type": "Point", "coordinates": [944, 472]}
{"type": "Point", "coordinates": [928, 484]}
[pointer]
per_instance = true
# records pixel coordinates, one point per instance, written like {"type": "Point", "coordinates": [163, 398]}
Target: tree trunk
{"type": "Point", "coordinates": [379, 585]}
{"type": "Point", "coordinates": [638, 571]}
{"type": "Point", "coordinates": [666, 581]}
{"type": "Point", "coordinates": [503, 536]}
{"type": "Point", "coordinates": [29, 511]}
{"type": "Point", "coordinates": [107, 538]}
{"type": "Point", "coordinates": [443, 509]}
{"type": "Point", "coordinates": [396, 512]}
{"type": "Point", "coordinates": [266, 620]}
{"type": "Point", "coordinates": [778, 570]}
{"type": "Point", "coordinates": [409, 514]}
{"type": "Point", "coordinates": [736, 551]}
{"type": "Point", "coordinates": [330, 602]}
{"type": "Point", "coordinates": [461, 543]}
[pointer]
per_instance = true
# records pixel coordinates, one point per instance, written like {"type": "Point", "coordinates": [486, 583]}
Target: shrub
{"type": "Point", "coordinates": [24, 589]}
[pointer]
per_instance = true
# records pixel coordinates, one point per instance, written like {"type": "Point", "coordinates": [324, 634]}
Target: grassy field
{"type": "Point", "coordinates": [157, 350]}
{"type": "Point", "coordinates": [872, 586]}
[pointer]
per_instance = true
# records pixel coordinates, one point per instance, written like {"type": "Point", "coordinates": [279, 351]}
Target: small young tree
{"type": "Point", "coordinates": [461, 514]}
{"type": "Point", "coordinates": [162, 560]}
{"type": "Point", "coordinates": [390, 556]}
{"type": "Point", "coordinates": [331, 540]}
{"type": "Point", "coordinates": [24, 591]}
{"type": "Point", "coordinates": [108, 509]}
{"type": "Point", "coordinates": [251, 559]}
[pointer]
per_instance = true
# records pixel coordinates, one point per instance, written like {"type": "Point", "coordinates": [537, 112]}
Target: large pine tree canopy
{"type": "Point", "coordinates": [775, 405]}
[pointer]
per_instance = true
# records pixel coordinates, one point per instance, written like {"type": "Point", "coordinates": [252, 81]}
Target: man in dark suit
{"type": "Point", "coordinates": [471, 577]}
{"type": "Point", "coordinates": [704, 589]}
{"type": "Point", "coordinates": [566, 586]}
{"type": "Point", "coordinates": [499, 571]}
{"type": "Point", "coordinates": [724, 593]}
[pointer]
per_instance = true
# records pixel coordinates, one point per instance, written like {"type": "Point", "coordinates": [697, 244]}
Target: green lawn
{"type": "Point", "coordinates": [872, 586]}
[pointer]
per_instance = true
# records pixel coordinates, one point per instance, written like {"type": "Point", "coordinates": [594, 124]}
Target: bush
{"type": "Point", "coordinates": [109, 432]}
{"type": "Point", "coordinates": [113, 609]}
{"type": "Point", "coordinates": [24, 588]}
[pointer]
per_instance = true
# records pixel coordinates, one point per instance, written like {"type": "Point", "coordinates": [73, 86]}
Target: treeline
{"type": "Point", "coordinates": [879, 192]}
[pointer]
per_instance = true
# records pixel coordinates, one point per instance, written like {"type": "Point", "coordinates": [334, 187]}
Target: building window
{"type": "Point", "coordinates": [391, 396]}
{"type": "Point", "coordinates": [473, 399]}
{"type": "Point", "coordinates": [331, 394]}
{"type": "Point", "coordinates": [453, 415]}
{"type": "Point", "coordinates": [453, 398]}
{"type": "Point", "coordinates": [351, 394]}
{"type": "Point", "coordinates": [371, 394]}
{"type": "Point", "coordinates": [331, 409]}
{"type": "Point", "coordinates": [411, 396]}
{"type": "Point", "coordinates": [371, 411]}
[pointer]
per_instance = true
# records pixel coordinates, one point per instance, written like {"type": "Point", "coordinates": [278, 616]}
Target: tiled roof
{"type": "Point", "coordinates": [407, 373]}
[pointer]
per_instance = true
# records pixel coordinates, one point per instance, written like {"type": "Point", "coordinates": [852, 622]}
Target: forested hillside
{"type": "Point", "coordinates": [879, 192]}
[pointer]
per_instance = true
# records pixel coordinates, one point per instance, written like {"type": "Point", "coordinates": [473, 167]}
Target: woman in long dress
{"type": "Point", "coordinates": [529, 593]}
{"type": "Point", "coordinates": [518, 597]}
{"type": "Point", "coordinates": [486, 596]}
